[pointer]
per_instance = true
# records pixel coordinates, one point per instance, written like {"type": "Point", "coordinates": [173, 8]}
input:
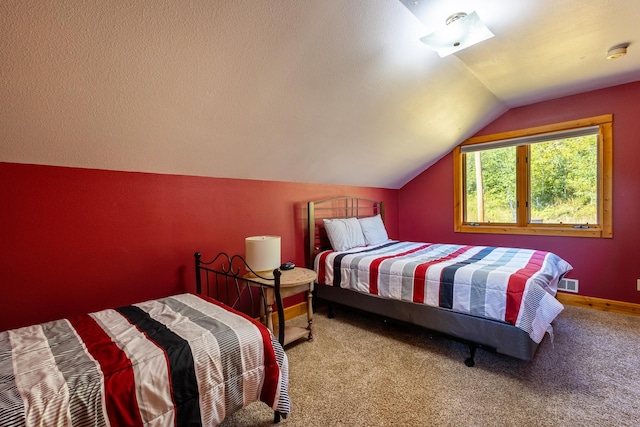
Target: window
{"type": "Point", "coordinates": [548, 180]}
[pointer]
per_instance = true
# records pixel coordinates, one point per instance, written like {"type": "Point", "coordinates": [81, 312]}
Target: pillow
{"type": "Point", "coordinates": [344, 233]}
{"type": "Point", "coordinates": [373, 230]}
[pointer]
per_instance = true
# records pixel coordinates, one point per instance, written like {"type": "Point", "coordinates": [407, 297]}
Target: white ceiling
{"type": "Point", "coordinates": [332, 91]}
{"type": "Point", "coordinates": [544, 49]}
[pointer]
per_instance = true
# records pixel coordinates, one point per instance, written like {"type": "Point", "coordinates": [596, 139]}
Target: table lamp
{"type": "Point", "coordinates": [262, 254]}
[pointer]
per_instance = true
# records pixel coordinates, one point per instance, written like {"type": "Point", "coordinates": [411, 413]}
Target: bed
{"type": "Point", "coordinates": [186, 359]}
{"type": "Point", "coordinates": [498, 299]}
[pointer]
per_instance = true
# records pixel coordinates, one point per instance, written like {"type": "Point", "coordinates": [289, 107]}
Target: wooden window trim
{"type": "Point", "coordinates": [605, 184]}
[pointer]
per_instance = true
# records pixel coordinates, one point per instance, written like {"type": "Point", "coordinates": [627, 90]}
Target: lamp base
{"type": "Point", "coordinates": [268, 274]}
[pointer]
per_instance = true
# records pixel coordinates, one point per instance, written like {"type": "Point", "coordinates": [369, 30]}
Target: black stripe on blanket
{"type": "Point", "coordinates": [181, 364]}
{"type": "Point", "coordinates": [230, 351]}
{"type": "Point", "coordinates": [337, 261]}
{"type": "Point", "coordinates": [448, 274]}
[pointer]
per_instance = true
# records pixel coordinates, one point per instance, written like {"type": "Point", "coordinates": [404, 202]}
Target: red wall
{"type": "Point", "coordinates": [78, 240]}
{"type": "Point", "coordinates": [605, 268]}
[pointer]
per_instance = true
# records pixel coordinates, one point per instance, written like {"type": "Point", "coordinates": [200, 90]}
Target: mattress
{"type": "Point", "coordinates": [511, 285]}
{"type": "Point", "coordinates": [179, 360]}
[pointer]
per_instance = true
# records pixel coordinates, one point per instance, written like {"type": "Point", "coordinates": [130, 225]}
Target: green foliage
{"type": "Point", "coordinates": [563, 182]}
{"type": "Point", "coordinates": [499, 184]}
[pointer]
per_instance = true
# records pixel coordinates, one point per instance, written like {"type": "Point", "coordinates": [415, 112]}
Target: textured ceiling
{"type": "Point", "coordinates": [332, 91]}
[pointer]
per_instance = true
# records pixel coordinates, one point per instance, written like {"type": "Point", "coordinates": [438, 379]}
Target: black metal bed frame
{"type": "Point", "coordinates": [228, 279]}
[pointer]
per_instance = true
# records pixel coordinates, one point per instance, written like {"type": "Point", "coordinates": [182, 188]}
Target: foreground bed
{"type": "Point", "coordinates": [499, 299]}
{"type": "Point", "coordinates": [182, 360]}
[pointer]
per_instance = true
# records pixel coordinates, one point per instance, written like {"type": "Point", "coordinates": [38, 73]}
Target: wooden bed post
{"type": "Point", "coordinates": [311, 222]}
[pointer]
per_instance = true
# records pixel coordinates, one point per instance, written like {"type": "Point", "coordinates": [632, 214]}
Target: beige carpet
{"type": "Point", "coordinates": [360, 371]}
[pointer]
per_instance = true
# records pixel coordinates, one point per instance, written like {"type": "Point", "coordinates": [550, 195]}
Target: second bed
{"type": "Point", "coordinates": [500, 299]}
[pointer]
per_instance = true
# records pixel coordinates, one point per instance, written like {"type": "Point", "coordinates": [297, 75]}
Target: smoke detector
{"type": "Point", "coordinates": [617, 51]}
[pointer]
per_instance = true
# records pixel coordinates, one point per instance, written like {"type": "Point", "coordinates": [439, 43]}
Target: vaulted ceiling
{"type": "Point", "coordinates": [332, 91]}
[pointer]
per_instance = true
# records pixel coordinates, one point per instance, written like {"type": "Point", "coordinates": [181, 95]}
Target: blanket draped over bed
{"type": "Point", "coordinates": [180, 360]}
{"type": "Point", "coordinates": [516, 286]}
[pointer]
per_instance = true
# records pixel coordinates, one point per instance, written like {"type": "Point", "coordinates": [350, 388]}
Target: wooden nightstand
{"type": "Point", "coordinates": [292, 282]}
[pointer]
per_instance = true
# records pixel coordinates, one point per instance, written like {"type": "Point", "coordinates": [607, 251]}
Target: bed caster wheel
{"type": "Point", "coordinates": [470, 361]}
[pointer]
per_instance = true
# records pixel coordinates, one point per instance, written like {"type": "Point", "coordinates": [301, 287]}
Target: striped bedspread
{"type": "Point", "coordinates": [516, 286]}
{"type": "Point", "coordinates": [176, 361]}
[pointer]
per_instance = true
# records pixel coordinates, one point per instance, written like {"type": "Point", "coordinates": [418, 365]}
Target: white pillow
{"type": "Point", "coordinates": [373, 230]}
{"type": "Point", "coordinates": [344, 233]}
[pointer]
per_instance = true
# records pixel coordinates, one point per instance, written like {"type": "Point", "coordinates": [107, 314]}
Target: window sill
{"type": "Point", "coordinates": [535, 230]}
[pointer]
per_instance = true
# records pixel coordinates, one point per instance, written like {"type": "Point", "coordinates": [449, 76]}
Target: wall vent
{"type": "Point", "coordinates": [568, 285]}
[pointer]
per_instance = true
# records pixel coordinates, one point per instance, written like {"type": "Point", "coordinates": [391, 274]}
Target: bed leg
{"type": "Point", "coordinates": [470, 361]}
{"type": "Point", "coordinates": [330, 315]}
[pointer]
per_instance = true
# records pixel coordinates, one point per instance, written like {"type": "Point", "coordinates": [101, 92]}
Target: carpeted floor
{"type": "Point", "coordinates": [361, 371]}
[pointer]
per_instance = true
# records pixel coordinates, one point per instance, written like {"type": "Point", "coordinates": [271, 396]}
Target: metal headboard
{"type": "Point", "coordinates": [225, 280]}
{"type": "Point", "coordinates": [338, 207]}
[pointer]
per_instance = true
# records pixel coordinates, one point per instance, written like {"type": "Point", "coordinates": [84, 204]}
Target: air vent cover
{"type": "Point", "coordinates": [569, 285]}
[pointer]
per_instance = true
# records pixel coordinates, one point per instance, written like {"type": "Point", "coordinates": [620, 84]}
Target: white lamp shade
{"type": "Point", "coordinates": [262, 253]}
{"type": "Point", "coordinates": [458, 35]}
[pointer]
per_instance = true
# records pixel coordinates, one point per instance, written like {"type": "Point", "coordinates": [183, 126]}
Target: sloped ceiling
{"type": "Point", "coordinates": [332, 91]}
{"type": "Point", "coordinates": [544, 49]}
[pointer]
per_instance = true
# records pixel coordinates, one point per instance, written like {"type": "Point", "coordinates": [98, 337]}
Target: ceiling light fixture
{"type": "Point", "coordinates": [617, 51]}
{"type": "Point", "coordinates": [462, 30]}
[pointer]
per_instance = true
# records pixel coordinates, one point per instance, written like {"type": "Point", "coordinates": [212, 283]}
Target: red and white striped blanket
{"type": "Point", "coordinates": [175, 361]}
{"type": "Point", "coordinates": [516, 286]}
